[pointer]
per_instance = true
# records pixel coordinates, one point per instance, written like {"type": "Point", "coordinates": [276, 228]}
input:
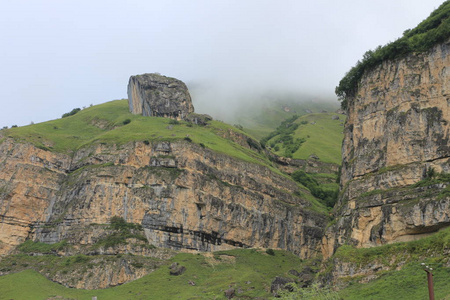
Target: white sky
{"type": "Point", "coordinates": [56, 55]}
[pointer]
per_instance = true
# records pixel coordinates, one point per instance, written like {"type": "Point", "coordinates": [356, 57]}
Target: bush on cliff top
{"type": "Point", "coordinates": [433, 30]}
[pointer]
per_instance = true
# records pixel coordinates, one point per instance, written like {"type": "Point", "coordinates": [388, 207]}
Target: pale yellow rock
{"type": "Point", "coordinates": [397, 129]}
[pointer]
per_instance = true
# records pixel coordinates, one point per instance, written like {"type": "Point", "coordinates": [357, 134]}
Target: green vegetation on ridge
{"type": "Point", "coordinates": [112, 123]}
{"type": "Point", "coordinates": [433, 30]}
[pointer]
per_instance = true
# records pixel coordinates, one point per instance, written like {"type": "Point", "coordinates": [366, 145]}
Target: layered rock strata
{"type": "Point", "coordinates": [159, 96]}
{"type": "Point", "coordinates": [397, 140]}
{"type": "Point", "coordinates": [184, 196]}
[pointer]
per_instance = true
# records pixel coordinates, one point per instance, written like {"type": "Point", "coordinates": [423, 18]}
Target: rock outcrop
{"type": "Point", "coordinates": [396, 139]}
{"type": "Point", "coordinates": [184, 196]}
{"type": "Point", "coordinates": [159, 96]}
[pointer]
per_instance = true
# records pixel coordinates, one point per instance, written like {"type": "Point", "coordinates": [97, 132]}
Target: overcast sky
{"type": "Point", "coordinates": [61, 54]}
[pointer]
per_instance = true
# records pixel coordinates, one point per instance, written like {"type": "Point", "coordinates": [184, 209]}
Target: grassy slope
{"type": "Point", "coordinates": [247, 269]}
{"type": "Point", "coordinates": [252, 271]}
{"type": "Point", "coordinates": [323, 139]}
{"type": "Point", "coordinates": [71, 133]}
{"type": "Point", "coordinates": [261, 120]}
{"type": "Point", "coordinates": [409, 282]}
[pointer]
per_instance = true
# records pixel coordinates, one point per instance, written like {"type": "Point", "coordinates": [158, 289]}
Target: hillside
{"type": "Point", "coordinates": [262, 116]}
{"type": "Point", "coordinates": [247, 272]}
{"type": "Point", "coordinates": [317, 134]}
{"type": "Point", "coordinates": [103, 181]}
{"type": "Point", "coordinates": [112, 123]}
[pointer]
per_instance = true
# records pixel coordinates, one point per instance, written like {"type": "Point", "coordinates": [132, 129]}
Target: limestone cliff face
{"type": "Point", "coordinates": [397, 131]}
{"type": "Point", "coordinates": [29, 182]}
{"type": "Point", "coordinates": [184, 196]}
{"type": "Point", "coordinates": [155, 95]}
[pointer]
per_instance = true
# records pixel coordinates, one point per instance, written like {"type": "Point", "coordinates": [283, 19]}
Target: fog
{"type": "Point", "coordinates": [58, 55]}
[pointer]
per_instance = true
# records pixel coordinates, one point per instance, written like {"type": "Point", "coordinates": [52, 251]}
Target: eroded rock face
{"type": "Point", "coordinates": [397, 130]}
{"type": "Point", "coordinates": [159, 96]}
{"type": "Point", "coordinates": [184, 196]}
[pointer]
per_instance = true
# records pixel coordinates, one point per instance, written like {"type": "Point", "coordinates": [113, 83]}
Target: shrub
{"type": "Point", "coordinates": [71, 113]}
{"type": "Point", "coordinates": [118, 223]}
{"type": "Point", "coordinates": [123, 231]}
{"type": "Point", "coordinates": [270, 252]}
{"type": "Point", "coordinates": [174, 122]}
{"type": "Point", "coordinates": [239, 126]}
{"type": "Point", "coordinates": [431, 172]}
{"type": "Point", "coordinates": [285, 132]}
{"type": "Point", "coordinates": [137, 265]}
{"type": "Point", "coordinates": [312, 292]}
{"type": "Point", "coordinates": [253, 144]}
{"type": "Point", "coordinates": [328, 195]}
{"type": "Point", "coordinates": [37, 247]}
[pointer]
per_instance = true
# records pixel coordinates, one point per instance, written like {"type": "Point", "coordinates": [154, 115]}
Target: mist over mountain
{"type": "Point", "coordinates": [246, 104]}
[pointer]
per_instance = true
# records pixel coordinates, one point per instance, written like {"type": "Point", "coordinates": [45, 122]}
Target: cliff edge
{"type": "Point", "coordinates": [396, 152]}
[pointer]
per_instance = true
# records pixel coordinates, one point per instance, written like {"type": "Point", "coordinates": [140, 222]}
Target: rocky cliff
{"type": "Point", "coordinates": [396, 152]}
{"type": "Point", "coordinates": [159, 96]}
{"type": "Point", "coordinates": [184, 196]}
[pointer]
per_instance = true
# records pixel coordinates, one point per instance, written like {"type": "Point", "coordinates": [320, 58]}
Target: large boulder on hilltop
{"type": "Point", "coordinates": [159, 96]}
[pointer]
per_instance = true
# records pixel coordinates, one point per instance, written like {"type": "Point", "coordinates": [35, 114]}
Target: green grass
{"type": "Point", "coordinates": [250, 270]}
{"type": "Point", "coordinates": [30, 284]}
{"type": "Point", "coordinates": [262, 118]}
{"type": "Point", "coordinates": [411, 250]}
{"type": "Point", "coordinates": [105, 124]}
{"type": "Point", "coordinates": [29, 247]}
{"type": "Point", "coordinates": [410, 281]}
{"type": "Point", "coordinates": [323, 139]}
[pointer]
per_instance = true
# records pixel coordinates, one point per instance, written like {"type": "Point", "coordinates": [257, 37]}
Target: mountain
{"type": "Point", "coordinates": [190, 207]}
{"type": "Point", "coordinates": [187, 186]}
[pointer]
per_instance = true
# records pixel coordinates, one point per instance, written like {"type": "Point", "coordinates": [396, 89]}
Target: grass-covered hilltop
{"type": "Point", "coordinates": [112, 123]}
